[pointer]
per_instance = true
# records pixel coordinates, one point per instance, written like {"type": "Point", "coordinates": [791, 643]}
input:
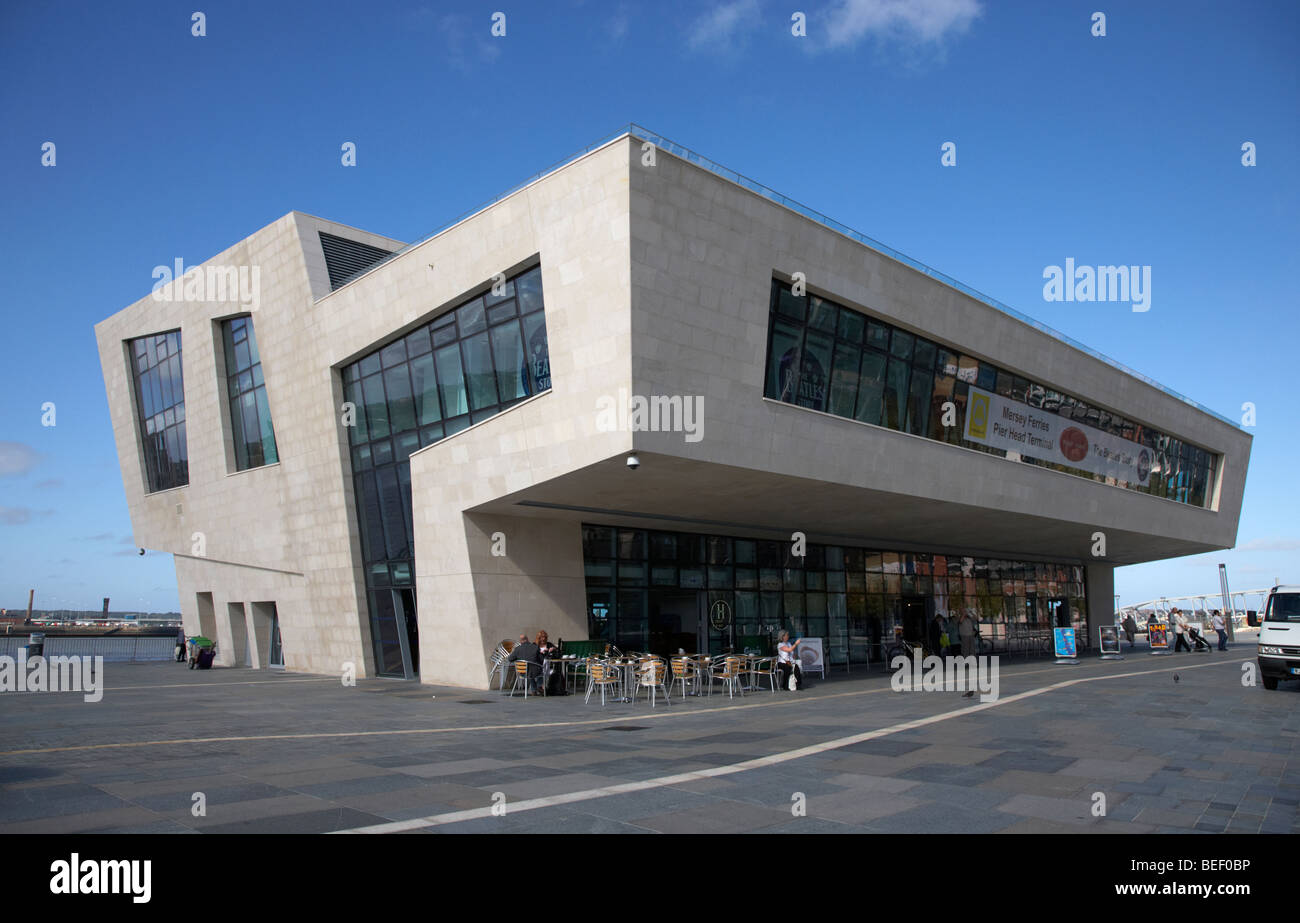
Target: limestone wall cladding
{"type": "Point", "coordinates": [292, 517]}
{"type": "Point", "coordinates": [289, 527]}
{"type": "Point", "coordinates": [233, 583]}
{"type": "Point", "coordinates": [469, 599]}
{"type": "Point", "coordinates": [704, 252]}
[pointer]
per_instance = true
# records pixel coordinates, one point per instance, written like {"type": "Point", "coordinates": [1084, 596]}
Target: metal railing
{"type": "Point", "coordinates": [113, 650]}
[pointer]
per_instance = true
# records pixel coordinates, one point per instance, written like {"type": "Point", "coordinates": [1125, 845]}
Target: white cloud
{"type": "Point", "coordinates": [20, 515]}
{"type": "Point", "coordinates": [618, 26]}
{"type": "Point", "coordinates": [1271, 544]}
{"type": "Point", "coordinates": [17, 458]}
{"type": "Point", "coordinates": [724, 26]}
{"type": "Point", "coordinates": [910, 20]}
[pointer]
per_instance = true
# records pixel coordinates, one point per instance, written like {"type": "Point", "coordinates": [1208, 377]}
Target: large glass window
{"type": "Point", "coordinates": [467, 364]}
{"type": "Point", "coordinates": [250, 413]}
{"type": "Point", "coordinates": [831, 358]}
{"type": "Point", "coordinates": [160, 409]}
{"type": "Point", "coordinates": [855, 599]}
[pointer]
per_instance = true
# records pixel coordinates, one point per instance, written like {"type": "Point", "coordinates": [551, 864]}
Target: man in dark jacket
{"type": "Point", "coordinates": [938, 628]}
{"type": "Point", "coordinates": [1130, 628]}
{"type": "Point", "coordinates": [529, 652]}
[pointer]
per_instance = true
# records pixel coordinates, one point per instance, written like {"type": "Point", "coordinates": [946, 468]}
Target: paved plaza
{"type": "Point", "coordinates": [1175, 744]}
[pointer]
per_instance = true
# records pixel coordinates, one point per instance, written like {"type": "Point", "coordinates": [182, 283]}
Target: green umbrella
{"type": "Point", "coordinates": [202, 641]}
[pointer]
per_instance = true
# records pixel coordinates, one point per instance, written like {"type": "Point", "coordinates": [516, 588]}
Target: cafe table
{"type": "Point", "coordinates": [566, 664]}
{"type": "Point", "coordinates": [627, 671]}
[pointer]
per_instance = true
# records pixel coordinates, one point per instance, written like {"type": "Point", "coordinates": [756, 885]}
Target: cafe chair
{"type": "Point", "coordinates": [763, 667]}
{"type": "Point", "coordinates": [521, 676]}
{"type": "Point", "coordinates": [602, 675]}
{"type": "Point", "coordinates": [651, 675]}
{"type": "Point", "coordinates": [684, 671]}
{"type": "Point", "coordinates": [499, 661]}
{"type": "Point", "coordinates": [730, 672]}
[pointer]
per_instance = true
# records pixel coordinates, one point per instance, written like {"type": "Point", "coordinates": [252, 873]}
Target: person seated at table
{"type": "Point", "coordinates": [787, 665]}
{"type": "Point", "coordinates": [554, 675]}
{"type": "Point", "coordinates": [530, 653]}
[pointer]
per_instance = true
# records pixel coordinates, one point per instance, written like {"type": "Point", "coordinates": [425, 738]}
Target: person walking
{"type": "Point", "coordinates": [966, 631]}
{"type": "Point", "coordinates": [1180, 629]}
{"type": "Point", "coordinates": [1130, 628]}
{"type": "Point", "coordinates": [1220, 626]}
{"type": "Point", "coordinates": [938, 629]}
{"type": "Point", "coordinates": [180, 645]}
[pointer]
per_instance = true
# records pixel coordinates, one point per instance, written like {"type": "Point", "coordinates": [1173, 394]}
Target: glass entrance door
{"type": "Point", "coordinates": [1058, 612]}
{"type": "Point", "coordinates": [674, 622]}
{"type": "Point", "coordinates": [276, 660]}
{"type": "Point", "coordinates": [404, 611]}
{"type": "Point", "coordinates": [911, 617]}
{"type": "Point", "coordinates": [394, 628]}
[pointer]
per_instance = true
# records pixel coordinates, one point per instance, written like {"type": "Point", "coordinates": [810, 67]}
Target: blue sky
{"type": "Point", "coordinates": [1117, 149]}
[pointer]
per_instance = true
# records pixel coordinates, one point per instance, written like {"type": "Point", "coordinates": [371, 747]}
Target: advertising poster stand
{"type": "Point", "coordinates": [1066, 649]}
{"type": "Point", "coordinates": [812, 656]}
{"type": "Point", "coordinates": [1158, 638]}
{"type": "Point", "coordinates": [1108, 642]}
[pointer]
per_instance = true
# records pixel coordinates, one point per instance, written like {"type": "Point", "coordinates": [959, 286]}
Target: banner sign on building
{"type": "Point", "coordinates": [1065, 646]}
{"type": "Point", "coordinates": [998, 421]}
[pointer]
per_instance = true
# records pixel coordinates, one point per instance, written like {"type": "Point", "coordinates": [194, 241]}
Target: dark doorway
{"type": "Point", "coordinates": [404, 607]}
{"type": "Point", "coordinates": [394, 627]}
{"type": "Point", "coordinates": [1058, 609]}
{"type": "Point", "coordinates": [674, 622]}
{"type": "Point", "coordinates": [911, 615]}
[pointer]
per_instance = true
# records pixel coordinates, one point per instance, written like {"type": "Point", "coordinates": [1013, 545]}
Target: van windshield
{"type": "Point", "coordinates": [1283, 607]}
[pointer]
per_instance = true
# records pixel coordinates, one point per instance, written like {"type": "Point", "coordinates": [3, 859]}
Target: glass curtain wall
{"type": "Point", "coordinates": [462, 367]}
{"type": "Point", "coordinates": [160, 408]}
{"type": "Point", "coordinates": [834, 359]}
{"type": "Point", "coordinates": [852, 597]}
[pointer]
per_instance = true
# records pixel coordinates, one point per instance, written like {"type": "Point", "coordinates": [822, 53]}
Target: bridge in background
{"type": "Point", "coordinates": [1242, 601]}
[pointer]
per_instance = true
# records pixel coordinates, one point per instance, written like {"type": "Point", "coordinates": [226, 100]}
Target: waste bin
{"type": "Point", "coordinates": [36, 644]}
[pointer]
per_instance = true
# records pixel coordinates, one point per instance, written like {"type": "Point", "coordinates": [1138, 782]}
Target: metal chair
{"type": "Point", "coordinates": [521, 675]}
{"type": "Point", "coordinates": [603, 675]}
{"type": "Point", "coordinates": [730, 672]}
{"type": "Point", "coordinates": [500, 660]}
{"type": "Point", "coordinates": [651, 675]}
{"type": "Point", "coordinates": [760, 667]}
{"type": "Point", "coordinates": [684, 670]}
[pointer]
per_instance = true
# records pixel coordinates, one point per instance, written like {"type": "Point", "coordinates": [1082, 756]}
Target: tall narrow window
{"type": "Point", "coordinates": [462, 367]}
{"type": "Point", "coordinates": [160, 409]}
{"type": "Point", "coordinates": [250, 414]}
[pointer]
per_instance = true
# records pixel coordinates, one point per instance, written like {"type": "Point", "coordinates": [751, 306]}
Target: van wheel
{"type": "Point", "coordinates": [1270, 682]}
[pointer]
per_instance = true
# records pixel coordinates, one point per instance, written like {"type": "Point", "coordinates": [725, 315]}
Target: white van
{"type": "Point", "coordinates": [1279, 636]}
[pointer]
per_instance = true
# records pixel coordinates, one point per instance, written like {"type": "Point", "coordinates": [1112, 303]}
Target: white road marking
{"type": "Point", "coordinates": [549, 801]}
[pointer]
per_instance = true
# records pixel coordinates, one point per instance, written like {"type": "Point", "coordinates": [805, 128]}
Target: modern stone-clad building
{"type": "Point", "coordinates": [396, 456]}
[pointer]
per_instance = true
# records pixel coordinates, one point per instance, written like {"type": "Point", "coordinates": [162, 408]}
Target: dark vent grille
{"type": "Point", "coordinates": [347, 259]}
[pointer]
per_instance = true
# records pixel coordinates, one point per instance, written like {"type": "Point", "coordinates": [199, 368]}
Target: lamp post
{"type": "Point", "coordinates": [1227, 598]}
